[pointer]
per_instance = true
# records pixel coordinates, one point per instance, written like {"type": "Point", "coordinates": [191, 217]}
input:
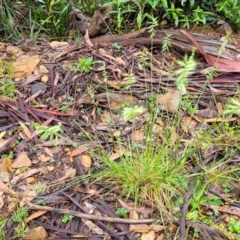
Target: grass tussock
{"type": "Point", "coordinates": [154, 174]}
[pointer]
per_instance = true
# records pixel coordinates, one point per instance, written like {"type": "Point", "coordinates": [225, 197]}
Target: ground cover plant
{"type": "Point", "coordinates": [51, 19]}
{"type": "Point", "coordinates": [132, 136]}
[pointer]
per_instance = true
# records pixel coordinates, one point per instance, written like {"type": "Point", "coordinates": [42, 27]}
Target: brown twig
{"type": "Point", "coordinates": [90, 216]}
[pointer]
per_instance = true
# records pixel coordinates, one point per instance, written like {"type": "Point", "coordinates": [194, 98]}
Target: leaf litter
{"type": "Point", "coordinates": [84, 110]}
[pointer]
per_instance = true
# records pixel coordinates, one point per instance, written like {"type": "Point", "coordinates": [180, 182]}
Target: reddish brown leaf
{"type": "Point", "coordinates": [220, 64]}
{"type": "Point", "coordinates": [78, 151]}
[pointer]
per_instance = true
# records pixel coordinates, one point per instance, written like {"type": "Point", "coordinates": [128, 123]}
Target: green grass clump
{"type": "Point", "coordinates": [20, 214]}
{"type": "Point", "coordinates": [155, 174]}
{"type": "Point", "coordinates": [6, 69]}
{"type": "Point", "coordinates": [7, 88]}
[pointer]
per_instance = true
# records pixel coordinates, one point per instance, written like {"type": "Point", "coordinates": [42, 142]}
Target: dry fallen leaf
{"type": "Point", "coordinates": [188, 123]}
{"type": "Point", "coordinates": [22, 161]}
{"type": "Point", "coordinates": [5, 165]}
{"type": "Point", "coordinates": [148, 236]}
{"type": "Point", "coordinates": [27, 196]}
{"type": "Point", "coordinates": [116, 100]}
{"type": "Point", "coordinates": [26, 130]}
{"type": "Point", "coordinates": [12, 206]}
{"type": "Point", "coordinates": [70, 173]}
{"type": "Point", "coordinates": [56, 44]}
{"type": "Point", "coordinates": [6, 189]}
{"type": "Point", "coordinates": [24, 66]}
{"type": "Point", "coordinates": [227, 209]}
{"type": "Point", "coordinates": [43, 69]}
{"type": "Point", "coordinates": [35, 215]}
{"type": "Point", "coordinates": [49, 152]}
{"type": "Point", "coordinates": [86, 161]}
{"type": "Point", "coordinates": [137, 135]}
{"type": "Point", "coordinates": [107, 54]}
{"type": "Point", "coordinates": [206, 113]}
{"type": "Point", "coordinates": [44, 158]}
{"type": "Point", "coordinates": [170, 101]}
{"type": "Point", "coordinates": [116, 155]}
{"type": "Point", "coordinates": [143, 228]}
{"type": "Point", "coordinates": [37, 233]}
{"type": "Point", "coordinates": [133, 215]}
{"type": "Point", "coordinates": [78, 151]}
{"type": "Point", "coordinates": [13, 50]}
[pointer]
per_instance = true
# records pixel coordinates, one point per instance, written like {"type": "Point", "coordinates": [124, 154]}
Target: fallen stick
{"type": "Point", "coordinates": [90, 216]}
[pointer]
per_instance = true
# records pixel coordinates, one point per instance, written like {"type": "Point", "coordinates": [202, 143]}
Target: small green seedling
{"type": "Point", "coordinates": [129, 113]}
{"type": "Point", "coordinates": [7, 155]}
{"type": "Point", "coordinates": [39, 188]}
{"type": "Point", "coordinates": [65, 104]}
{"type": "Point", "coordinates": [7, 88]}
{"type": "Point", "coordinates": [25, 168]}
{"type": "Point", "coordinates": [3, 223]}
{"type": "Point", "coordinates": [6, 69]}
{"type": "Point", "coordinates": [21, 229]}
{"type": "Point", "coordinates": [232, 107]}
{"type": "Point", "coordinates": [84, 65]}
{"type": "Point", "coordinates": [67, 217]}
{"type": "Point", "coordinates": [234, 226]}
{"type": "Point", "coordinates": [187, 67]}
{"type": "Point", "coordinates": [20, 214]}
{"type": "Point", "coordinates": [46, 132]}
{"type": "Point", "coordinates": [227, 188]}
{"type": "Point", "coordinates": [41, 202]}
{"type": "Point", "coordinates": [117, 47]}
{"type": "Point", "coordinates": [122, 212]}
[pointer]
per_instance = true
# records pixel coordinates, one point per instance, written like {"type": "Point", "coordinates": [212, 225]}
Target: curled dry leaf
{"type": "Point", "coordinates": [78, 151]}
{"type": "Point", "coordinates": [35, 215]}
{"type": "Point", "coordinates": [48, 151]}
{"type": "Point", "coordinates": [86, 161]}
{"type": "Point", "coordinates": [220, 64]}
{"type": "Point", "coordinates": [26, 130]}
{"type": "Point", "coordinates": [133, 215]}
{"type": "Point", "coordinates": [12, 206]}
{"type": "Point", "coordinates": [87, 39]}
